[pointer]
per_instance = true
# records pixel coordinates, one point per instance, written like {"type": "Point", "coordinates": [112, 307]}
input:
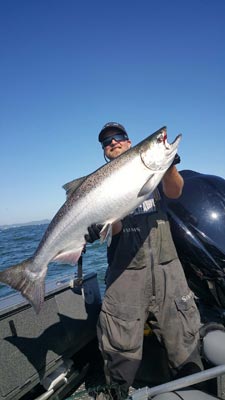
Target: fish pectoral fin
{"type": "Point", "coordinates": [147, 188]}
{"type": "Point", "coordinates": [68, 256]}
{"type": "Point", "coordinates": [106, 234]}
{"type": "Point", "coordinates": [71, 186]}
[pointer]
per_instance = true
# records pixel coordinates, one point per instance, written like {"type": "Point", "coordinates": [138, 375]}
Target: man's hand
{"type": "Point", "coordinates": [176, 160]}
{"type": "Point", "coordinates": [93, 233]}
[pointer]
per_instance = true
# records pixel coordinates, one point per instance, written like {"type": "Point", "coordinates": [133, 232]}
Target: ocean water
{"type": "Point", "coordinates": [19, 243]}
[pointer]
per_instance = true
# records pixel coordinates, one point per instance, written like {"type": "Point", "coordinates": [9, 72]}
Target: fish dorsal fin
{"type": "Point", "coordinates": [147, 188]}
{"type": "Point", "coordinates": [71, 186]}
{"type": "Point", "coordinates": [106, 233]}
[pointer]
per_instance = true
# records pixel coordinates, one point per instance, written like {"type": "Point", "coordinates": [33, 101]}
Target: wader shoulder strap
{"type": "Point", "coordinates": [156, 195]}
{"type": "Point", "coordinates": [157, 198]}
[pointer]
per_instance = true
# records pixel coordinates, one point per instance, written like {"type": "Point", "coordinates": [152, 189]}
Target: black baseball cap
{"type": "Point", "coordinates": [118, 128]}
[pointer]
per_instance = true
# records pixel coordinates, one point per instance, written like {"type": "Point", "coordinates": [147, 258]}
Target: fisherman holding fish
{"type": "Point", "coordinates": [144, 282]}
{"type": "Point", "coordinates": [120, 202]}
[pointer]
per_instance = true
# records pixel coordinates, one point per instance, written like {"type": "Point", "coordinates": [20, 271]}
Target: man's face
{"type": "Point", "coordinates": [115, 147]}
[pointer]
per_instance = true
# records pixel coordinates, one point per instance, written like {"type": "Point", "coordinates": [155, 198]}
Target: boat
{"type": "Point", "coordinates": [55, 355]}
{"type": "Point", "coordinates": [42, 354]}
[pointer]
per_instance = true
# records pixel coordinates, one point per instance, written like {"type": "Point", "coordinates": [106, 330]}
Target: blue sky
{"type": "Point", "coordinates": [68, 67]}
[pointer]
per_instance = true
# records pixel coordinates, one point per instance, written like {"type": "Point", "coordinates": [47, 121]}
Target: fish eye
{"type": "Point", "coordinates": [160, 138]}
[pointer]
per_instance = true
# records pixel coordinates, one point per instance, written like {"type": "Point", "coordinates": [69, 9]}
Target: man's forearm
{"type": "Point", "coordinates": [172, 183]}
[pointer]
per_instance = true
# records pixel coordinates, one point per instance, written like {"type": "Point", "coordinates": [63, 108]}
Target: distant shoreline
{"type": "Point", "coordinates": [41, 222]}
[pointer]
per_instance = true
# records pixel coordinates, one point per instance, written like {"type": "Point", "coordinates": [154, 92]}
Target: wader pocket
{"type": "Point", "coordinates": [167, 251]}
{"type": "Point", "coordinates": [188, 314]}
{"type": "Point", "coordinates": [123, 330]}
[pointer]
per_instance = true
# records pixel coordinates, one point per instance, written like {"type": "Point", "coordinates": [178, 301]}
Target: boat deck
{"type": "Point", "coordinates": [81, 393]}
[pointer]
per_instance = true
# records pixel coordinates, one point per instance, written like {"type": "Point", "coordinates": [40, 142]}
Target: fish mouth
{"type": "Point", "coordinates": [162, 138]}
{"type": "Point", "coordinates": [171, 148]}
{"type": "Point", "coordinates": [175, 143]}
{"type": "Point", "coordinates": [165, 152]}
{"type": "Point", "coordinates": [177, 139]}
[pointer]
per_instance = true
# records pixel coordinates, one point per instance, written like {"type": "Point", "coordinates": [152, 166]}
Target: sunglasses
{"type": "Point", "coordinates": [118, 137]}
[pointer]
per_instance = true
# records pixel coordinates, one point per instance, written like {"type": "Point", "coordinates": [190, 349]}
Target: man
{"type": "Point", "coordinates": [144, 281]}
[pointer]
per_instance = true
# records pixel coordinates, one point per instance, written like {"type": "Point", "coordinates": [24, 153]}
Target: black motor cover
{"type": "Point", "coordinates": [197, 221]}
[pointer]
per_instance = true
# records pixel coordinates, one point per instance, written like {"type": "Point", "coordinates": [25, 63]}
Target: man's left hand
{"type": "Point", "coordinates": [93, 233]}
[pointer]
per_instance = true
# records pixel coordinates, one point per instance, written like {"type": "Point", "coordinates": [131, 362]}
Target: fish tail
{"type": "Point", "coordinates": [21, 278]}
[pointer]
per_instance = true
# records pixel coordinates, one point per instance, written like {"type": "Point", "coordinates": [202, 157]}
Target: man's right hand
{"type": "Point", "coordinates": [176, 160]}
{"type": "Point", "coordinates": [93, 233]}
